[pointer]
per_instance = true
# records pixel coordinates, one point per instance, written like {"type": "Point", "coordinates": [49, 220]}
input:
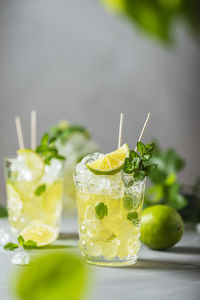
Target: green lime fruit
{"type": "Point", "coordinates": [52, 276]}
{"type": "Point", "coordinates": [162, 227]}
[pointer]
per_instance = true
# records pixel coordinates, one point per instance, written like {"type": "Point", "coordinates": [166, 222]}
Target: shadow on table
{"type": "Point", "coordinates": [184, 250]}
{"type": "Point", "coordinates": [152, 264]}
{"type": "Point", "coordinates": [72, 238]}
{"type": "Point", "coordinates": [68, 236]}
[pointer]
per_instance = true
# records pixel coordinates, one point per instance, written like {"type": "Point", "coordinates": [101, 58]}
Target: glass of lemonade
{"type": "Point", "coordinates": [34, 191]}
{"type": "Point", "coordinates": [109, 215]}
{"type": "Point", "coordinates": [73, 142]}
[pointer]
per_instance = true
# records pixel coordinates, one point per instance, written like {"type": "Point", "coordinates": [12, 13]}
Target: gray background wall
{"type": "Point", "coordinates": [71, 59]}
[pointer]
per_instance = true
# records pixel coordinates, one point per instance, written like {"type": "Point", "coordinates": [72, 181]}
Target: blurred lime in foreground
{"type": "Point", "coordinates": [53, 276]}
{"type": "Point", "coordinates": [162, 227]}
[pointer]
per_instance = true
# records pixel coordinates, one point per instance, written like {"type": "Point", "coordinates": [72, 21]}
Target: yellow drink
{"type": "Point", "coordinates": [33, 197]}
{"type": "Point", "coordinates": [109, 217]}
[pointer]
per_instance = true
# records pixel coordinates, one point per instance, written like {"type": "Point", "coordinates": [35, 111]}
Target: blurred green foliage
{"type": "Point", "coordinates": [3, 212]}
{"type": "Point", "coordinates": [156, 17]}
{"type": "Point", "coordinates": [165, 187]}
{"type": "Point", "coordinates": [52, 276]}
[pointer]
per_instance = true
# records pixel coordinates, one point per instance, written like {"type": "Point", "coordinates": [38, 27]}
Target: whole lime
{"type": "Point", "coordinates": [52, 276]}
{"type": "Point", "coordinates": [162, 227]}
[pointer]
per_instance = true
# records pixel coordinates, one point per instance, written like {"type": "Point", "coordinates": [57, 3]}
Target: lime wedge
{"type": "Point", "coordinates": [42, 234]}
{"type": "Point", "coordinates": [14, 201]}
{"type": "Point", "coordinates": [53, 196]}
{"type": "Point", "coordinates": [110, 163]}
{"type": "Point", "coordinates": [33, 162]}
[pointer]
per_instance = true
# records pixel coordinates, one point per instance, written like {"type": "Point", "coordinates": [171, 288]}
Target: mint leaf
{"type": "Point", "coordinates": [146, 156]}
{"type": "Point", "coordinates": [40, 189]}
{"type": "Point", "coordinates": [48, 150]}
{"type": "Point", "coordinates": [10, 246]}
{"type": "Point", "coordinates": [139, 175]}
{"type": "Point", "coordinates": [29, 244]}
{"type": "Point", "coordinates": [141, 148]}
{"type": "Point", "coordinates": [45, 139]}
{"type": "Point", "coordinates": [133, 154]}
{"type": "Point", "coordinates": [149, 148]}
{"type": "Point", "coordinates": [133, 217]}
{"type": "Point", "coordinates": [20, 240]}
{"type": "Point", "coordinates": [128, 166]}
{"type": "Point", "coordinates": [101, 210]}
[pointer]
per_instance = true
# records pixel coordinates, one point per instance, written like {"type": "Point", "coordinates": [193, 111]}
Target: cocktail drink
{"type": "Point", "coordinates": [73, 142]}
{"type": "Point", "coordinates": [109, 201]}
{"type": "Point", "coordinates": [34, 191]}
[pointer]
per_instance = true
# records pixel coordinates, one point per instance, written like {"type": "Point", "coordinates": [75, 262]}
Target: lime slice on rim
{"type": "Point", "coordinates": [110, 163]}
{"type": "Point", "coordinates": [14, 201]}
{"type": "Point", "coordinates": [42, 234]}
{"type": "Point", "coordinates": [33, 161]}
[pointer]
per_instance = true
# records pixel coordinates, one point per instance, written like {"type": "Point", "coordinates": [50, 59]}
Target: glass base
{"type": "Point", "coordinates": [114, 262]}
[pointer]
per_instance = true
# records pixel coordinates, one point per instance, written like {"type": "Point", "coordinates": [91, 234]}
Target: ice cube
{"type": "Point", "coordinates": [52, 171]}
{"type": "Point", "coordinates": [81, 167]}
{"type": "Point", "coordinates": [4, 237]}
{"type": "Point", "coordinates": [21, 258]}
{"type": "Point", "coordinates": [127, 179]}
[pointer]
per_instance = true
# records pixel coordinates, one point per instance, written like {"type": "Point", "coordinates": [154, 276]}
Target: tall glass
{"type": "Point", "coordinates": [33, 198]}
{"type": "Point", "coordinates": [109, 216]}
{"type": "Point", "coordinates": [75, 148]}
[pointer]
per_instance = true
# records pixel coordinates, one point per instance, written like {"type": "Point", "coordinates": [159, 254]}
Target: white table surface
{"type": "Point", "coordinates": [163, 275]}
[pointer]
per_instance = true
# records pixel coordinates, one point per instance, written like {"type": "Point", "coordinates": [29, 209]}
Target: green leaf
{"type": "Point", "coordinates": [146, 156]}
{"type": "Point", "coordinates": [173, 162]}
{"type": "Point", "coordinates": [136, 163]}
{"type": "Point", "coordinates": [133, 154]}
{"type": "Point", "coordinates": [29, 244]}
{"type": "Point", "coordinates": [128, 166]}
{"type": "Point", "coordinates": [45, 139]}
{"type": "Point", "coordinates": [101, 210]}
{"type": "Point", "coordinates": [10, 246]}
{"type": "Point", "coordinates": [149, 168]}
{"type": "Point", "coordinates": [141, 148]}
{"type": "Point", "coordinates": [177, 202]}
{"type": "Point", "coordinates": [3, 212]}
{"type": "Point", "coordinates": [20, 240]}
{"type": "Point", "coordinates": [40, 189]}
{"type": "Point", "coordinates": [149, 148]}
{"type": "Point", "coordinates": [139, 175]}
{"type": "Point", "coordinates": [133, 217]}
{"type": "Point", "coordinates": [61, 157]}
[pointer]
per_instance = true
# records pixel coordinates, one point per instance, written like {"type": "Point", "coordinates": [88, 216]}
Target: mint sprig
{"type": "Point", "coordinates": [10, 246]}
{"type": "Point", "coordinates": [138, 163]}
{"type": "Point", "coordinates": [48, 150]}
{"type": "Point", "coordinates": [63, 134]}
{"type": "Point", "coordinates": [27, 245]}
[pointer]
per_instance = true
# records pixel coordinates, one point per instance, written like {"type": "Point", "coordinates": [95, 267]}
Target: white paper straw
{"type": "Point", "coordinates": [143, 129]}
{"type": "Point", "coordinates": [33, 129]}
{"type": "Point", "coordinates": [120, 130]}
{"type": "Point", "coordinates": [19, 133]}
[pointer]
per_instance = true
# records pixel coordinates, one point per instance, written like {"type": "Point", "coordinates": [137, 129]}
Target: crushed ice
{"type": "Point", "coordinates": [21, 258]}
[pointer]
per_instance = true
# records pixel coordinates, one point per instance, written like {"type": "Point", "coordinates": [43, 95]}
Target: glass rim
{"type": "Point", "coordinates": [82, 175]}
